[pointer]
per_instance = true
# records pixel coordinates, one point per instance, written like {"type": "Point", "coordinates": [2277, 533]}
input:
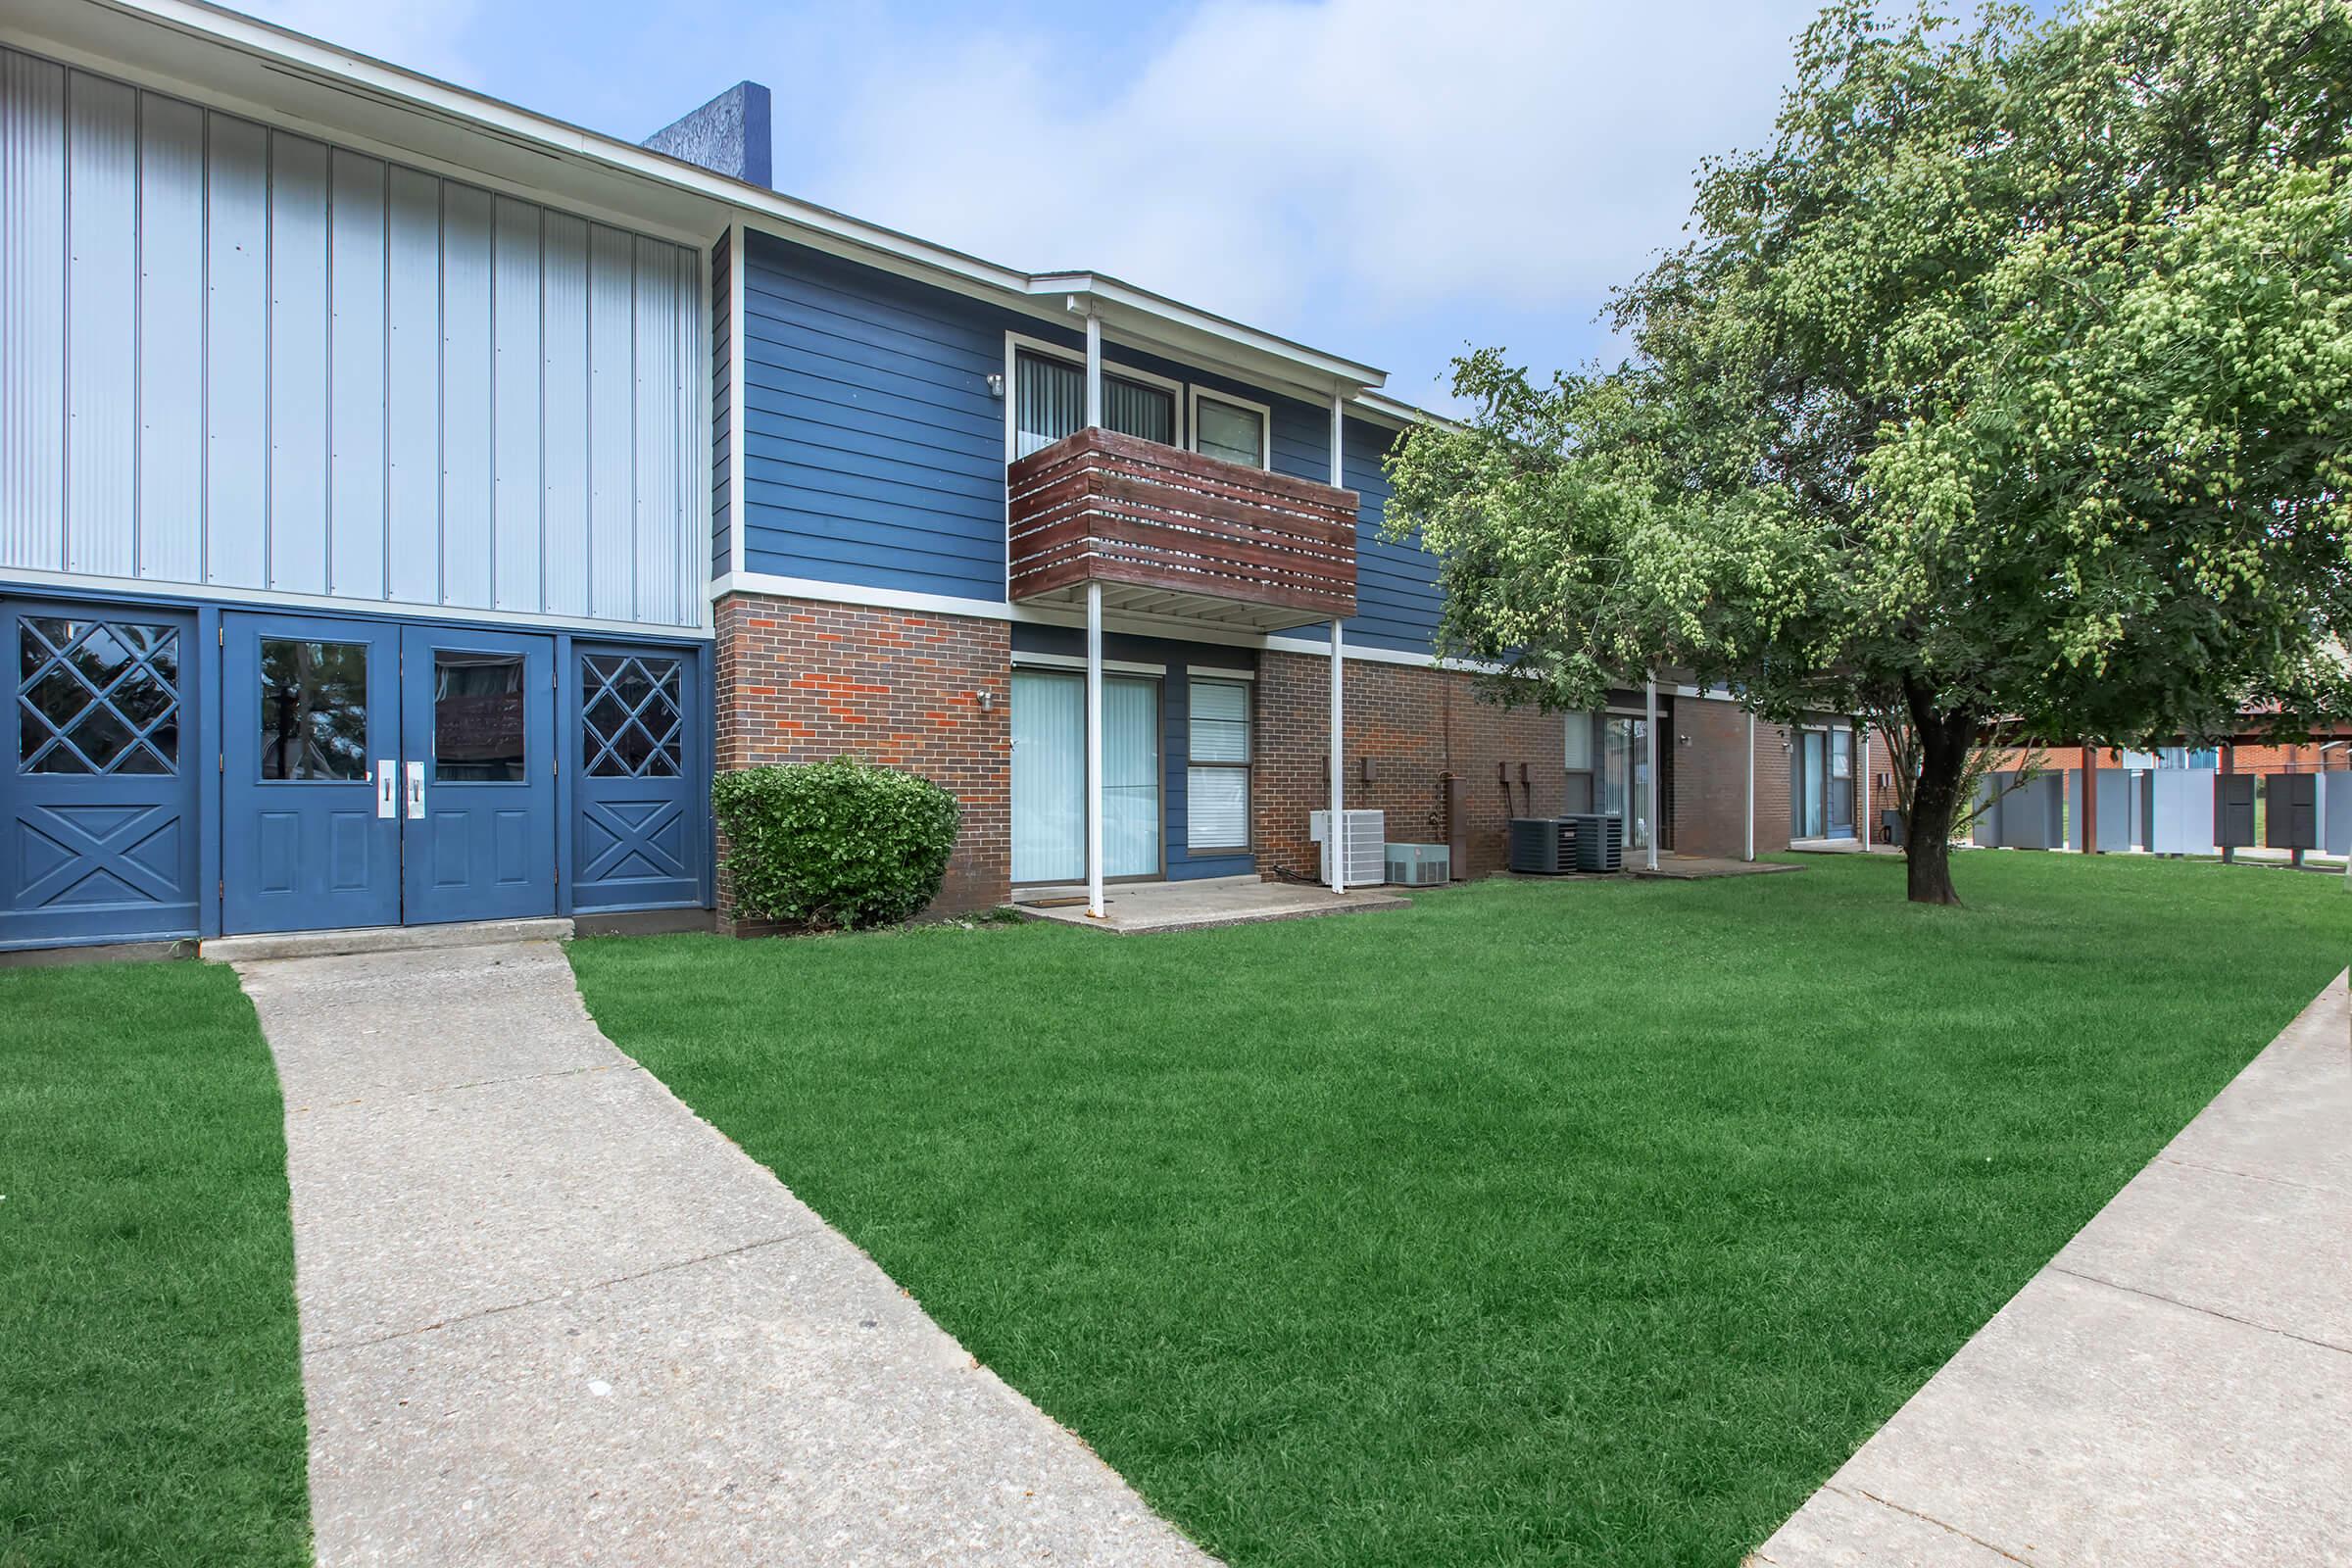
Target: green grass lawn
{"type": "Point", "coordinates": [1543, 1223]}
{"type": "Point", "coordinates": [150, 1385]}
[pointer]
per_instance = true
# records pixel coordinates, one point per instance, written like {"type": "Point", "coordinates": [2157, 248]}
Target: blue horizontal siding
{"type": "Point", "coordinates": [873, 453]}
{"type": "Point", "coordinates": [873, 449]}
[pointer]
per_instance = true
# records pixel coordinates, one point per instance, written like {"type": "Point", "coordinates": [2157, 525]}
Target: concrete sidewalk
{"type": "Point", "coordinates": [2174, 1386]}
{"type": "Point", "coordinates": [550, 1316]}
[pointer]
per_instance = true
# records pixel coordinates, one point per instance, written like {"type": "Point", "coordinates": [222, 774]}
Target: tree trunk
{"type": "Point", "coordinates": [1945, 741]}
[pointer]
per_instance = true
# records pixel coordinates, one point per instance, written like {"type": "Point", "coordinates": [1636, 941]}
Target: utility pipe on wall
{"type": "Point", "coordinates": [1650, 731]}
{"type": "Point", "coordinates": [1094, 749]}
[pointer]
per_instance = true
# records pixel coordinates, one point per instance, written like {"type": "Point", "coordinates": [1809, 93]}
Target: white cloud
{"type": "Point", "coordinates": [1309, 163]}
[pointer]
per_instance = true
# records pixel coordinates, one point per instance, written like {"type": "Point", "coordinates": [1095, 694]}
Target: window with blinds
{"type": "Point", "coordinates": [1049, 402]}
{"type": "Point", "coordinates": [1217, 769]}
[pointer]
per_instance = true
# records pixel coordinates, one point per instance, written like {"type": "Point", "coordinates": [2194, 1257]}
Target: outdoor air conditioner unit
{"type": "Point", "coordinates": [1420, 865]}
{"type": "Point", "coordinates": [1367, 846]}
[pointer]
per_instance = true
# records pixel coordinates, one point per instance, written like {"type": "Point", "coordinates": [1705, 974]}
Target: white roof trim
{"type": "Point", "coordinates": [186, 39]}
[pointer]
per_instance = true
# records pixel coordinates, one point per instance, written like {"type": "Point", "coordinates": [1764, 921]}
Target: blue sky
{"type": "Point", "coordinates": [1388, 179]}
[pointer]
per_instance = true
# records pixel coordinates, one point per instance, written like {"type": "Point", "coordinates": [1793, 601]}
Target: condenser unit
{"type": "Point", "coordinates": [1367, 846]}
{"type": "Point", "coordinates": [1420, 865]}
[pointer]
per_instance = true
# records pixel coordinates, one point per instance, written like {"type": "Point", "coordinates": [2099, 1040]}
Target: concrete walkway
{"type": "Point", "coordinates": [550, 1316]}
{"type": "Point", "coordinates": [2175, 1387]}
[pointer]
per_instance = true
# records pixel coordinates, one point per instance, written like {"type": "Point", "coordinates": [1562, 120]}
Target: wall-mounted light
{"type": "Point", "coordinates": [988, 701]}
{"type": "Point", "coordinates": [996, 384]}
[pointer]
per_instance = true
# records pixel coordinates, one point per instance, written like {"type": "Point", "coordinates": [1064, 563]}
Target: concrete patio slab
{"type": "Point", "coordinates": [1137, 909]}
{"type": "Point", "coordinates": [549, 1316]}
{"type": "Point", "coordinates": [2174, 1386]}
{"type": "Point", "coordinates": [1704, 867]}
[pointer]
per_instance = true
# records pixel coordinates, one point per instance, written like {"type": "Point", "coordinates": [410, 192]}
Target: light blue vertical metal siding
{"type": "Point", "coordinates": [170, 497]}
{"type": "Point", "coordinates": [297, 363]}
{"type": "Point", "coordinates": [516, 370]}
{"type": "Point", "coordinates": [413, 388]}
{"type": "Point", "coordinates": [237, 422]}
{"type": "Point", "coordinates": [355, 394]}
{"type": "Point", "coordinates": [102, 228]}
{"type": "Point", "coordinates": [239, 358]}
{"type": "Point", "coordinates": [655, 334]}
{"type": "Point", "coordinates": [466, 403]}
{"type": "Point", "coordinates": [563, 272]}
{"type": "Point", "coordinates": [32, 313]}
{"type": "Point", "coordinates": [611, 449]}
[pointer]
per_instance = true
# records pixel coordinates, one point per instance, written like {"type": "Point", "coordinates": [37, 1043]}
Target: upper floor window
{"type": "Point", "coordinates": [1049, 402]}
{"type": "Point", "coordinates": [1229, 428]}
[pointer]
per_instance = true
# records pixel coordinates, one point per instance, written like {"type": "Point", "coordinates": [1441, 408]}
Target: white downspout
{"type": "Point", "coordinates": [1748, 848]}
{"type": "Point", "coordinates": [1649, 733]}
{"type": "Point", "coordinates": [1094, 749]}
{"type": "Point", "coordinates": [1338, 661]}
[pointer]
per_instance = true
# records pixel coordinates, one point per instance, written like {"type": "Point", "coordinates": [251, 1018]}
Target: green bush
{"type": "Point", "coordinates": [838, 844]}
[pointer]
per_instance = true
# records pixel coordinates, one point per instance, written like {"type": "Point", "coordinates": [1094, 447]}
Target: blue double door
{"type": "Point", "coordinates": [380, 773]}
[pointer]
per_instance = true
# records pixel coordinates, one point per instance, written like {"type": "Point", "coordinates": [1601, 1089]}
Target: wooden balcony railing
{"type": "Point", "coordinates": [1172, 532]}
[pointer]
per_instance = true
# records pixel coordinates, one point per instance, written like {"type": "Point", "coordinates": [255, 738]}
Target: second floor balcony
{"type": "Point", "coordinates": [1171, 532]}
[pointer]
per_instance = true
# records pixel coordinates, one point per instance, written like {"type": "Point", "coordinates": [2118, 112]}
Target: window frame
{"type": "Point", "coordinates": [1016, 344]}
{"type": "Point", "coordinates": [1265, 422]}
{"type": "Point", "coordinates": [1247, 767]}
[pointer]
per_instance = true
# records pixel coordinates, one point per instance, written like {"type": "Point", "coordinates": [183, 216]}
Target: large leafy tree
{"type": "Point", "coordinates": [2013, 381]}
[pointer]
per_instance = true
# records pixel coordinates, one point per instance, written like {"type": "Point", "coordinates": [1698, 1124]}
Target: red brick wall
{"type": "Point", "coordinates": [800, 680]}
{"type": "Point", "coordinates": [1412, 723]}
{"type": "Point", "coordinates": [1710, 780]}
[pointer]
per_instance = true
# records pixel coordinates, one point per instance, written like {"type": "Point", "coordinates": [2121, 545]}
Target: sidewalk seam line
{"type": "Point", "coordinates": [2207, 1311]}
{"type": "Point", "coordinates": [2248, 1175]}
{"type": "Point", "coordinates": [1926, 1518]}
{"type": "Point", "coordinates": [559, 1295]}
{"type": "Point", "coordinates": [471, 1083]}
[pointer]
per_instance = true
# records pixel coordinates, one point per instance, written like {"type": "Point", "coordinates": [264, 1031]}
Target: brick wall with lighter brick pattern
{"type": "Point", "coordinates": [1412, 723]}
{"type": "Point", "coordinates": [802, 680]}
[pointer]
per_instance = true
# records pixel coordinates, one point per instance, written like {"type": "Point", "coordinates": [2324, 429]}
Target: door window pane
{"type": "Point", "coordinates": [478, 717]}
{"type": "Point", "coordinates": [1130, 777]}
{"type": "Point", "coordinates": [97, 696]}
{"type": "Point", "coordinates": [1625, 775]}
{"type": "Point", "coordinates": [313, 711]}
{"type": "Point", "coordinates": [631, 724]}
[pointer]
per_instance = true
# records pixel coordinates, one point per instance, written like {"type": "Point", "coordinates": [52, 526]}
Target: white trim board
{"type": "Point", "coordinates": [1116, 666]}
{"type": "Point", "coordinates": [1173, 628]}
{"type": "Point", "coordinates": [34, 582]}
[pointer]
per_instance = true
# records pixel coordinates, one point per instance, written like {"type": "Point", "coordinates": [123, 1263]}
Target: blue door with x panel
{"type": "Point", "coordinates": [479, 818]}
{"type": "Point", "coordinates": [100, 816]}
{"type": "Point", "coordinates": [637, 806]}
{"type": "Point", "coordinates": [309, 763]}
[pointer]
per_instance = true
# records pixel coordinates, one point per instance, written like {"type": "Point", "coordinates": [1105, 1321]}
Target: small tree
{"type": "Point", "coordinates": [2014, 378]}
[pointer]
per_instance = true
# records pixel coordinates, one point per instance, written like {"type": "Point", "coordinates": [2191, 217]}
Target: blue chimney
{"type": "Point", "coordinates": [729, 135]}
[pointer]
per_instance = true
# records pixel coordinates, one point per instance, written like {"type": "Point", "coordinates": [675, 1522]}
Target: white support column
{"type": "Point", "coordinates": [1094, 749]}
{"type": "Point", "coordinates": [1339, 664]}
{"type": "Point", "coordinates": [1094, 370]}
{"type": "Point", "coordinates": [1649, 732]}
{"type": "Point", "coordinates": [1338, 836]}
{"type": "Point", "coordinates": [1862, 766]}
{"type": "Point", "coordinates": [1748, 850]}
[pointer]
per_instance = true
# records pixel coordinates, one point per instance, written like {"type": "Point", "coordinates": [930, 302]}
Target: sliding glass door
{"type": "Point", "coordinates": [1049, 777]}
{"type": "Point", "coordinates": [1625, 775]}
